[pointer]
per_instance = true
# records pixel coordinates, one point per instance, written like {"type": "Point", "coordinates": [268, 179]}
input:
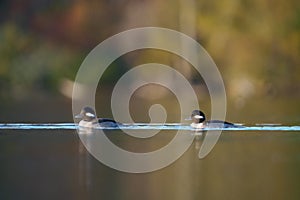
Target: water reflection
{"type": "Point", "coordinates": [42, 164]}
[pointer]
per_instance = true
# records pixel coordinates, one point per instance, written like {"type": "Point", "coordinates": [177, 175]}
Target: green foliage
{"type": "Point", "coordinates": [29, 63]}
{"type": "Point", "coordinates": [41, 44]}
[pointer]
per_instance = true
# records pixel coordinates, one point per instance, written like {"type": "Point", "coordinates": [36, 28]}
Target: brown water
{"type": "Point", "coordinates": [53, 164]}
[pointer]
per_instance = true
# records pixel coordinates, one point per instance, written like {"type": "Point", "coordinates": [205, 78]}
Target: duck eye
{"type": "Point", "coordinates": [89, 114]}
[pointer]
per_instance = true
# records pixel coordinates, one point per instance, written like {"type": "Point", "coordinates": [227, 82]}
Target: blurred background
{"type": "Point", "coordinates": [255, 44]}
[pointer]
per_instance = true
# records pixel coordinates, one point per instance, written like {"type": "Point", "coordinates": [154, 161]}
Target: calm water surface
{"type": "Point", "coordinates": [53, 164]}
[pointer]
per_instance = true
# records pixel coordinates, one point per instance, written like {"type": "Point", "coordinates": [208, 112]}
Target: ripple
{"type": "Point", "coordinates": [145, 126]}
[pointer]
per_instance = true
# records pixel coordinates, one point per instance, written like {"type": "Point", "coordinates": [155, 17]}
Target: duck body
{"type": "Point", "coordinates": [89, 119]}
{"type": "Point", "coordinates": [199, 122]}
{"type": "Point", "coordinates": [105, 122]}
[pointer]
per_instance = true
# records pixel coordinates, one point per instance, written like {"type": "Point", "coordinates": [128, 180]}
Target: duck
{"type": "Point", "coordinates": [89, 119]}
{"type": "Point", "coordinates": [199, 122]}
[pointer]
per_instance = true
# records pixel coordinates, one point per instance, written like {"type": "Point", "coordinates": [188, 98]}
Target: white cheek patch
{"type": "Point", "coordinates": [198, 117]}
{"type": "Point", "coordinates": [89, 114]}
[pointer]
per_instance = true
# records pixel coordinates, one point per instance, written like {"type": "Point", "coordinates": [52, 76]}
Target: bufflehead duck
{"type": "Point", "coordinates": [89, 119]}
{"type": "Point", "coordinates": [198, 118]}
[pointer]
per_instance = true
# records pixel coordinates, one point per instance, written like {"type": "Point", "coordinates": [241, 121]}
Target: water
{"type": "Point", "coordinates": [48, 161]}
{"type": "Point", "coordinates": [145, 126]}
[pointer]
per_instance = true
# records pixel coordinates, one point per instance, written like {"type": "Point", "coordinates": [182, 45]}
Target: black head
{"type": "Point", "coordinates": [198, 116]}
{"type": "Point", "coordinates": [87, 114]}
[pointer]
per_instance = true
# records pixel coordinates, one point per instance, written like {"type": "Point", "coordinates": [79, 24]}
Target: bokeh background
{"type": "Point", "coordinates": [255, 44]}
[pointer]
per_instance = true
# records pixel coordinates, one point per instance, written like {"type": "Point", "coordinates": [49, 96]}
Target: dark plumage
{"type": "Point", "coordinates": [199, 121]}
{"type": "Point", "coordinates": [89, 119]}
